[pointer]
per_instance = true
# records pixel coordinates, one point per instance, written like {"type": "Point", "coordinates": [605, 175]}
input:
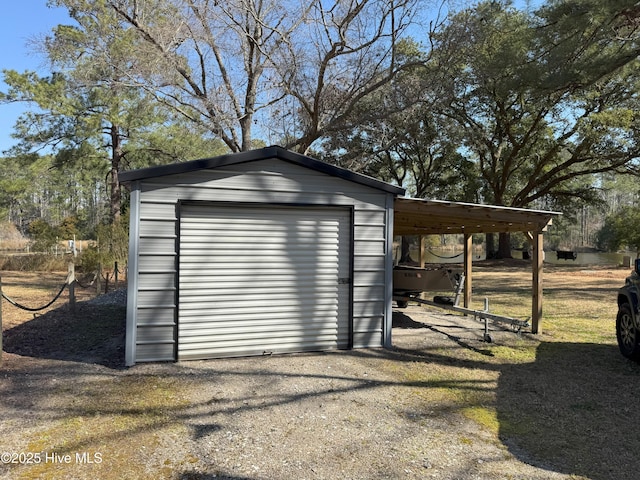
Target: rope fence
{"type": "Point", "coordinates": [29, 309]}
{"type": "Point", "coordinates": [108, 276]}
{"type": "Point", "coordinates": [90, 284]}
{"type": "Point", "coordinates": [70, 282]}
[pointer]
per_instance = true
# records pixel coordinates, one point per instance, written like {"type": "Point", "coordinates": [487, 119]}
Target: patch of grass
{"type": "Point", "coordinates": [114, 418]}
{"type": "Point", "coordinates": [485, 416]}
{"type": "Point", "coordinates": [522, 351]}
{"type": "Point", "coordinates": [450, 388]}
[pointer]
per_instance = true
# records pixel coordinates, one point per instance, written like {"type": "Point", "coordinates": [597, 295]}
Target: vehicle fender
{"type": "Point", "coordinates": [629, 295]}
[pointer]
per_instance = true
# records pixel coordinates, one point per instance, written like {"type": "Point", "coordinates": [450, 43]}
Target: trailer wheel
{"type": "Point", "coordinates": [402, 303]}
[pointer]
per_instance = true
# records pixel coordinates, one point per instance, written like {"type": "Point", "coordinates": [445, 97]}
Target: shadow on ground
{"type": "Point", "coordinates": [207, 476]}
{"type": "Point", "coordinates": [573, 410]}
{"type": "Point", "coordinates": [95, 334]}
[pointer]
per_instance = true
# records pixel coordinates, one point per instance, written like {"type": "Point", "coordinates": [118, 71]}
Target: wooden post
{"type": "Point", "coordinates": [71, 279]}
{"type": "Point", "coordinates": [468, 262]}
{"type": "Point", "coordinates": [115, 273]}
{"type": "Point", "coordinates": [99, 281]}
{"type": "Point", "coordinates": [536, 265]}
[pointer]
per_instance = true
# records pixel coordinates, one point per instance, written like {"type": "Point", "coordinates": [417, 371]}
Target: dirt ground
{"type": "Point", "coordinates": [440, 404]}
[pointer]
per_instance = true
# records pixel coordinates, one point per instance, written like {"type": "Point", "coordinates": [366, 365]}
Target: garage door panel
{"type": "Point", "coordinates": [272, 323]}
{"type": "Point", "coordinates": [241, 349]}
{"type": "Point", "coordinates": [207, 268]}
{"type": "Point", "coordinates": [289, 313]}
{"type": "Point", "coordinates": [231, 285]}
{"type": "Point", "coordinates": [263, 339]}
{"type": "Point", "coordinates": [231, 293]}
{"type": "Point", "coordinates": [267, 337]}
{"type": "Point", "coordinates": [258, 279]}
{"type": "Point", "coordinates": [259, 233]}
{"type": "Point", "coordinates": [227, 293]}
{"type": "Point", "coordinates": [261, 330]}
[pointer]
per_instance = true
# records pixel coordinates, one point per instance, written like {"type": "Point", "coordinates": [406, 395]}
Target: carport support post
{"type": "Point", "coordinates": [422, 260]}
{"type": "Point", "coordinates": [421, 256]}
{"type": "Point", "coordinates": [468, 261]}
{"type": "Point", "coordinates": [536, 264]}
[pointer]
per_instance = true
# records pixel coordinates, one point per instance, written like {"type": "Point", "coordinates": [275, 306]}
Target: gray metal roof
{"type": "Point", "coordinates": [253, 156]}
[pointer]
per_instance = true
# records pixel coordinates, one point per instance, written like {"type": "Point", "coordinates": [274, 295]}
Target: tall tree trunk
{"type": "Point", "coordinates": [490, 240]}
{"type": "Point", "coordinates": [405, 251]}
{"type": "Point", "coordinates": [503, 249]}
{"type": "Point", "coordinates": [504, 245]}
{"type": "Point", "coordinates": [114, 185]}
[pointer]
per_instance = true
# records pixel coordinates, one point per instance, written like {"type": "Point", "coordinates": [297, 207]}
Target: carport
{"type": "Point", "coordinates": [414, 216]}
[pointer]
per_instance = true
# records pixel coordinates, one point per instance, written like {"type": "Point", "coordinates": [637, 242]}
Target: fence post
{"type": "Point", "coordinates": [71, 279]}
{"type": "Point", "coordinates": [99, 281]}
{"type": "Point", "coordinates": [115, 272]}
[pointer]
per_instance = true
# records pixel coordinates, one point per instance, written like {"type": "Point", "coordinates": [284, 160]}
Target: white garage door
{"type": "Point", "coordinates": [256, 280]}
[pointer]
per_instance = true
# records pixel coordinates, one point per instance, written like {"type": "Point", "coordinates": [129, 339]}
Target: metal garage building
{"type": "Point", "coordinates": [257, 252]}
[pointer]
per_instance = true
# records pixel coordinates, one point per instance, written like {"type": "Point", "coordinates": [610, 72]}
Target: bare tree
{"type": "Point", "coordinates": [293, 70]}
{"type": "Point", "coordinates": [350, 54]}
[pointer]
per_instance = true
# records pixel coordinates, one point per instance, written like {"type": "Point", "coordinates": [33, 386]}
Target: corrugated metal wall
{"type": "Point", "coordinates": [257, 280]}
{"type": "Point", "coordinates": [268, 181]}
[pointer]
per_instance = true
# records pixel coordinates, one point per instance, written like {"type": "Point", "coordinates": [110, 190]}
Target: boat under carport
{"type": "Point", "coordinates": [414, 216]}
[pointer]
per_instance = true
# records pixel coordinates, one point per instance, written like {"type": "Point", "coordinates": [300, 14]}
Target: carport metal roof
{"type": "Point", "coordinates": [414, 216]}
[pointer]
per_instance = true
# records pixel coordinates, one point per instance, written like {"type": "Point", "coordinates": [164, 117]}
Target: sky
{"type": "Point", "coordinates": [20, 21]}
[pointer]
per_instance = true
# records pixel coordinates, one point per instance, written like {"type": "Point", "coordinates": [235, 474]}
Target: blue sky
{"type": "Point", "coordinates": [20, 21]}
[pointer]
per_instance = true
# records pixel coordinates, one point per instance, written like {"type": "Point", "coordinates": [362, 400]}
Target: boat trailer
{"type": "Point", "coordinates": [402, 297]}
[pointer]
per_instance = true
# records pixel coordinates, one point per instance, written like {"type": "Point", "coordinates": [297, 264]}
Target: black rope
{"type": "Point", "coordinates": [95, 276]}
{"type": "Point", "coordinates": [440, 256]}
{"type": "Point", "coordinates": [29, 309]}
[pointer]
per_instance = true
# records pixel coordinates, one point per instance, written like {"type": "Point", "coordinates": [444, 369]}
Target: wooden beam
{"type": "Point", "coordinates": [427, 217]}
{"type": "Point", "coordinates": [536, 265]}
{"type": "Point", "coordinates": [417, 230]}
{"type": "Point", "coordinates": [468, 262]}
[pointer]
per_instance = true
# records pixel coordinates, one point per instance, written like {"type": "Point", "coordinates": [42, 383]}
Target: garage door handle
{"type": "Point", "coordinates": [344, 281]}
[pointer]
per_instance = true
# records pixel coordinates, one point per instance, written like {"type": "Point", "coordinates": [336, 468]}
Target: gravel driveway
{"type": "Point", "coordinates": [359, 414]}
